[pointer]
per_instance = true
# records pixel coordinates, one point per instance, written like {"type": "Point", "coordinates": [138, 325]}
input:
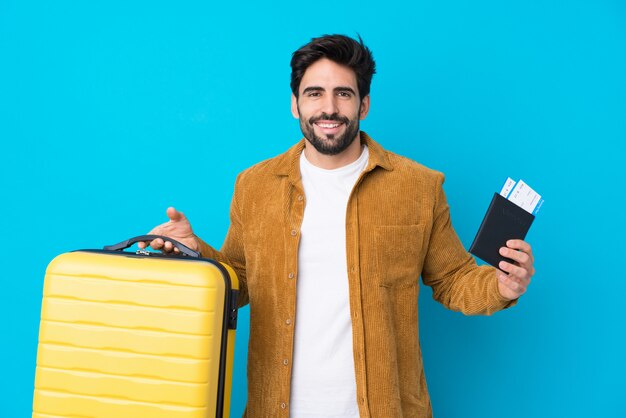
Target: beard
{"type": "Point", "coordinates": [331, 144]}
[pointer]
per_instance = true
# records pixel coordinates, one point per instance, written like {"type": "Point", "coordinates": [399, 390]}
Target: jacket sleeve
{"type": "Point", "coordinates": [233, 251]}
{"type": "Point", "coordinates": [457, 281]}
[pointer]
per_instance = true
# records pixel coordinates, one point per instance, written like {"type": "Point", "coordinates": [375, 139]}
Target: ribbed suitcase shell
{"type": "Point", "coordinates": [125, 335]}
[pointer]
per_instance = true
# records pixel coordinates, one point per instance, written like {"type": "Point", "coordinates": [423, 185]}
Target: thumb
{"type": "Point", "coordinates": [174, 215]}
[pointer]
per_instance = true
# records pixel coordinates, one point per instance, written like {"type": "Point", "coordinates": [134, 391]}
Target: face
{"type": "Point", "coordinates": [329, 107]}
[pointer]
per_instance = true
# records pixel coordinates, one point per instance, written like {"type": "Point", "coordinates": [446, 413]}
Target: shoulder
{"type": "Point", "coordinates": [272, 167]}
{"type": "Point", "coordinates": [397, 168]}
{"type": "Point", "coordinates": [260, 169]}
{"type": "Point", "coordinates": [405, 165]}
{"type": "Point", "coordinates": [267, 175]}
{"type": "Point", "coordinates": [409, 172]}
{"type": "Point", "coordinates": [410, 188]}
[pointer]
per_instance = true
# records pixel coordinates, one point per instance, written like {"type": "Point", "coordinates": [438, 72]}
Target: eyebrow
{"type": "Point", "coordinates": [336, 89]}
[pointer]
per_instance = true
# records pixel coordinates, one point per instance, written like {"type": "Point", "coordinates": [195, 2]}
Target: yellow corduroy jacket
{"type": "Point", "coordinates": [397, 228]}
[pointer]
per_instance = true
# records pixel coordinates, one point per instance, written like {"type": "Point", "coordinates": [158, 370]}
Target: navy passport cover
{"type": "Point", "coordinates": [503, 221]}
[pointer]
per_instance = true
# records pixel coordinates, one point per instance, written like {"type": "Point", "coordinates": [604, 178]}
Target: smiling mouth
{"type": "Point", "coordinates": [328, 125]}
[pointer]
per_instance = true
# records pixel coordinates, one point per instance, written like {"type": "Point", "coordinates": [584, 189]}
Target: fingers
{"type": "Point", "coordinates": [509, 287]}
{"type": "Point", "coordinates": [157, 244]}
{"type": "Point", "coordinates": [520, 252]}
{"type": "Point", "coordinates": [523, 246]}
{"type": "Point", "coordinates": [515, 282]}
{"type": "Point", "coordinates": [168, 247]}
{"type": "Point", "coordinates": [521, 257]}
{"type": "Point", "coordinates": [174, 215]}
{"type": "Point", "coordinates": [155, 231]}
{"type": "Point", "coordinates": [177, 228]}
{"type": "Point", "coordinates": [514, 278]}
{"type": "Point", "coordinates": [517, 272]}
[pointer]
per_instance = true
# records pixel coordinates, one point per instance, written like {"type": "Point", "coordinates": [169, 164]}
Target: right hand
{"type": "Point", "coordinates": [178, 228]}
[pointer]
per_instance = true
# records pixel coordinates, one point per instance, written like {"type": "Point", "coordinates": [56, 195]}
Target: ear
{"type": "Point", "coordinates": [365, 107]}
{"type": "Point", "coordinates": [294, 107]}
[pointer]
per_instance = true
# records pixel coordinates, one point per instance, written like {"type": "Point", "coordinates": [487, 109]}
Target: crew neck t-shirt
{"type": "Point", "coordinates": [323, 380]}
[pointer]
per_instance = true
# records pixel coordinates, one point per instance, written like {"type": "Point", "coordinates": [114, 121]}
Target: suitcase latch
{"type": "Point", "coordinates": [232, 309]}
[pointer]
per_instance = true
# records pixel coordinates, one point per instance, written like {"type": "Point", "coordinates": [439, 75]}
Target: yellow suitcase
{"type": "Point", "coordinates": [133, 335]}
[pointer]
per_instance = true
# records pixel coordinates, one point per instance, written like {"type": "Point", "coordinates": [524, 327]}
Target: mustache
{"type": "Point", "coordinates": [334, 117]}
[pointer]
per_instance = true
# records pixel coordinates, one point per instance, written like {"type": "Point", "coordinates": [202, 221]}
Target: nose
{"type": "Point", "coordinates": [329, 104]}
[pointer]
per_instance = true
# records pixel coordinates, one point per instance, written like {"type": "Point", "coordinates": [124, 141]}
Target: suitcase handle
{"type": "Point", "coordinates": [185, 251]}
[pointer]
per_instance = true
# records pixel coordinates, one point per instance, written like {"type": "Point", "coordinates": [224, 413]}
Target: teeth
{"type": "Point", "coordinates": [328, 125]}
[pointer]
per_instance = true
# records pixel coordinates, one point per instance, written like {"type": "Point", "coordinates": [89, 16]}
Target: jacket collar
{"type": "Point", "coordinates": [288, 164]}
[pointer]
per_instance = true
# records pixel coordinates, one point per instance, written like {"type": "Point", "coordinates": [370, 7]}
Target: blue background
{"type": "Point", "coordinates": [112, 111]}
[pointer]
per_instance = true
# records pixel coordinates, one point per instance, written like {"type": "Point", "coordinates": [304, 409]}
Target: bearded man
{"type": "Point", "coordinates": [329, 241]}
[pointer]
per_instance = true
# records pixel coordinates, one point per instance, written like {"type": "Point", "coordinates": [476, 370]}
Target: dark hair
{"type": "Point", "coordinates": [340, 49]}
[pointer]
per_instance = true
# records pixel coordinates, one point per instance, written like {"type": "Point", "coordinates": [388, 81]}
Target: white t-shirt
{"type": "Point", "coordinates": [323, 381]}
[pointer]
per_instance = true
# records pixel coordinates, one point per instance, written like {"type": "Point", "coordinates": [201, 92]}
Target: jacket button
{"type": "Point", "coordinates": [291, 275]}
{"type": "Point", "coordinates": [300, 198]}
{"type": "Point", "coordinates": [288, 322]}
{"type": "Point", "coordinates": [294, 232]}
{"type": "Point", "coordinates": [285, 362]}
{"type": "Point", "coordinates": [283, 405]}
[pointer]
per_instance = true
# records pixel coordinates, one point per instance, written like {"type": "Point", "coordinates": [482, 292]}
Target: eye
{"type": "Point", "coordinates": [344, 94]}
{"type": "Point", "coordinates": [314, 94]}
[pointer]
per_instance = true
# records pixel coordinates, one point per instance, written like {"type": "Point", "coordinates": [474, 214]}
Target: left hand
{"type": "Point", "coordinates": [514, 284]}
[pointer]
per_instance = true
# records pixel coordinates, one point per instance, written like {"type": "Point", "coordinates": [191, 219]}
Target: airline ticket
{"type": "Point", "coordinates": [522, 195]}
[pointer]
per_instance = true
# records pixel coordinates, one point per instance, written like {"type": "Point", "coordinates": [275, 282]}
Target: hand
{"type": "Point", "coordinates": [514, 284]}
{"type": "Point", "coordinates": [178, 228]}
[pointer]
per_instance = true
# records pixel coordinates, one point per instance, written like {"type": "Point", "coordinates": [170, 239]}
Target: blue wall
{"type": "Point", "coordinates": [111, 111]}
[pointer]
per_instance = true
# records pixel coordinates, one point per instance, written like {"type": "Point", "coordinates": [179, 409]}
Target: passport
{"type": "Point", "coordinates": [503, 221]}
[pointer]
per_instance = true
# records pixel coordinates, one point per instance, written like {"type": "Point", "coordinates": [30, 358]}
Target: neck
{"type": "Point", "coordinates": [331, 162]}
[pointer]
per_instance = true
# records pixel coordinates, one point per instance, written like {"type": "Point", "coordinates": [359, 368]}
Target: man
{"type": "Point", "coordinates": [329, 241]}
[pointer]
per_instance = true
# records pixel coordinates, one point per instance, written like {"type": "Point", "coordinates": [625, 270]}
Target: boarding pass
{"type": "Point", "coordinates": [522, 195]}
